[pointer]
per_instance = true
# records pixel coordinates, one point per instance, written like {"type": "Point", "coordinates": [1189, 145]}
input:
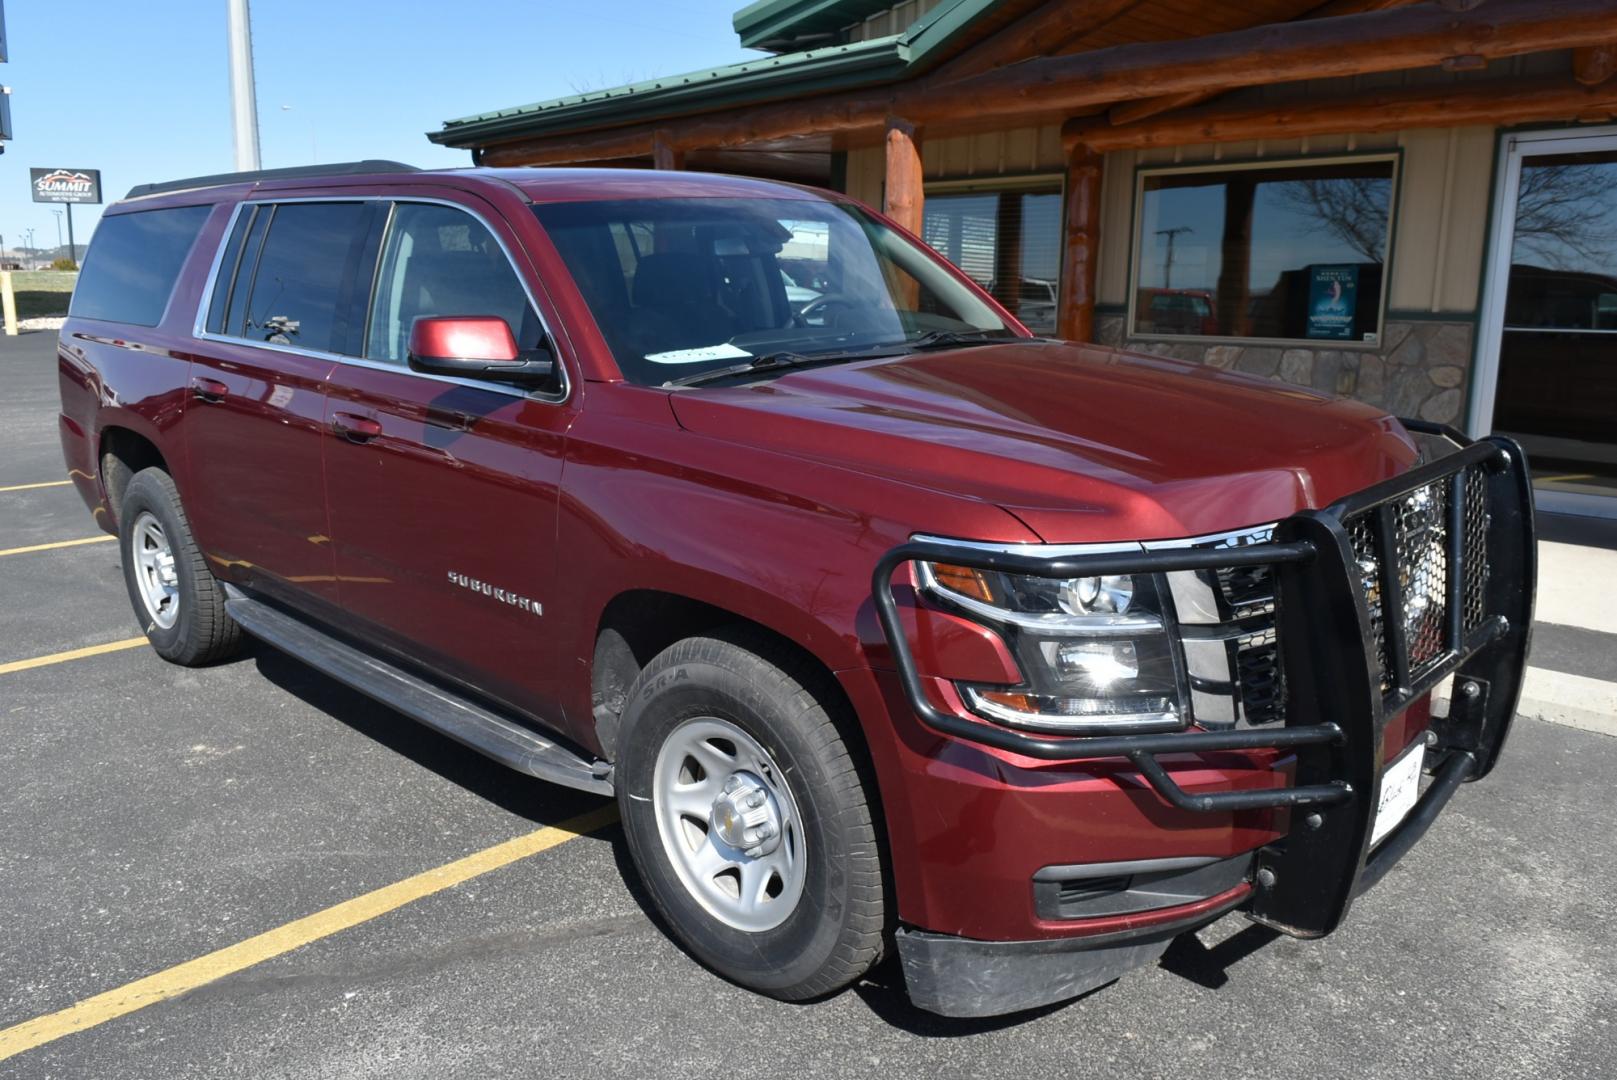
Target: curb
{"type": "Point", "coordinates": [1574, 701]}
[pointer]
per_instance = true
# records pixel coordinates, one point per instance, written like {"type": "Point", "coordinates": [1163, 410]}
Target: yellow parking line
{"type": "Point", "coordinates": [30, 487]}
{"type": "Point", "coordinates": [57, 544]}
{"type": "Point", "coordinates": [71, 654]}
{"type": "Point", "coordinates": [255, 950]}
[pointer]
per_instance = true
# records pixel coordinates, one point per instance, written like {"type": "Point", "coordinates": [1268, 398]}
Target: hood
{"type": "Point", "coordinates": [1082, 443]}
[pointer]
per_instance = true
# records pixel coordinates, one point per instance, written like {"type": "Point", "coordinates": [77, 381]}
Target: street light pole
{"type": "Point", "coordinates": [58, 214]}
{"type": "Point", "coordinates": [243, 97]}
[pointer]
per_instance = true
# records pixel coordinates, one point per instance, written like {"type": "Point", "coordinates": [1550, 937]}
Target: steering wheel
{"type": "Point", "coordinates": [825, 300]}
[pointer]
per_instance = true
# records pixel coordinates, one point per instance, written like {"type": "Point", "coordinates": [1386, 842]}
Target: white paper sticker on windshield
{"type": "Point", "coordinates": [697, 356]}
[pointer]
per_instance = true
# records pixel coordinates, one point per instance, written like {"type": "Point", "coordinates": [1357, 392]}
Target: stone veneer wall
{"type": "Point", "coordinates": [1422, 369]}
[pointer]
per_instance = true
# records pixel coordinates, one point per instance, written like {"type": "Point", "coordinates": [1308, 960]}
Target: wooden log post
{"type": "Point", "coordinates": [903, 197]}
{"type": "Point", "coordinates": [1593, 66]}
{"type": "Point", "coordinates": [664, 154]}
{"type": "Point", "coordinates": [8, 298]}
{"type": "Point", "coordinates": [1079, 253]}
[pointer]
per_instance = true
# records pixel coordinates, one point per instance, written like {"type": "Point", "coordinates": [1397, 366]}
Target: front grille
{"type": "Point", "coordinates": [1418, 527]}
{"type": "Point", "coordinates": [1236, 680]}
{"type": "Point", "coordinates": [1228, 617]}
{"type": "Point", "coordinates": [1473, 592]}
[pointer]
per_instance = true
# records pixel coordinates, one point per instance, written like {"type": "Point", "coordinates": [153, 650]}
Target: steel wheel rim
{"type": "Point", "coordinates": [706, 769]}
{"type": "Point", "coordinates": [157, 579]}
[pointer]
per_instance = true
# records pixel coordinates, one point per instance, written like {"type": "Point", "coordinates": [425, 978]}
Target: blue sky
{"type": "Point", "coordinates": [141, 91]}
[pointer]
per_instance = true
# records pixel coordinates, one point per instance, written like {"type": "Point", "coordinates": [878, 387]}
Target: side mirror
{"type": "Point", "coordinates": [476, 347]}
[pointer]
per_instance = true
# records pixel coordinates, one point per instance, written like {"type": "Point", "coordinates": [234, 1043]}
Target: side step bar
{"type": "Point", "coordinates": [486, 732]}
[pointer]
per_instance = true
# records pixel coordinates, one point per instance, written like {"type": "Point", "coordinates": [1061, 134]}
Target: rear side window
{"type": "Point", "coordinates": [297, 292]}
{"type": "Point", "coordinates": [133, 262]}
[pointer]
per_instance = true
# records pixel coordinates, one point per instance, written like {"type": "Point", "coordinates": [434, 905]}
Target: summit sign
{"type": "Point", "coordinates": [65, 185]}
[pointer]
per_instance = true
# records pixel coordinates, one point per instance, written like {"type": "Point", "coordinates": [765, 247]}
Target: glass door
{"type": "Point", "coordinates": [1552, 317]}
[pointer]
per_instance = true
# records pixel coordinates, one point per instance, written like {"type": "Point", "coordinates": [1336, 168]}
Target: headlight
{"type": "Point", "coordinates": [1095, 650]}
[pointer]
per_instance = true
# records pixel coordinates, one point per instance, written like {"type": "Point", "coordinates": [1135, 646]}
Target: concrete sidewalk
{"type": "Point", "coordinates": [1572, 673]}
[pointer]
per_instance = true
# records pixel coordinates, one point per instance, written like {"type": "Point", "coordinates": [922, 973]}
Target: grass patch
{"type": "Point", "coordinates": [42, 292]}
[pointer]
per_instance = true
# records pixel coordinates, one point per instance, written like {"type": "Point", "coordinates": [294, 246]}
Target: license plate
{"type": "Point", "coordinates": [1400, 787]}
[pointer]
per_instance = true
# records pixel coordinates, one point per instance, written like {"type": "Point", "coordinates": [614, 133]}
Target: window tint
{"type": "Point", "coordinates": [296, 295]}
{"type": "Point", "coordinates": [229, 262]}
{"type": "Point", "coordinates": [133, 263]}
{"type": "Point", "coordinates": [437, 260]}
{"type": "Point", "coordinates": [236, 314]}
{"type": "Point", "coordinates": [1269, 252]}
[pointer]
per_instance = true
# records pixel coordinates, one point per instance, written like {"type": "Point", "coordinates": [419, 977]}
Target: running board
{"type": "Point", "coordinates": [472, 725]}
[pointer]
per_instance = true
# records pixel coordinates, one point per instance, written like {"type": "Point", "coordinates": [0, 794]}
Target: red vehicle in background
{"type": "Point", "coordinates": [886, 623]}
{"type": "Point", "coordinates": [1177, 311]}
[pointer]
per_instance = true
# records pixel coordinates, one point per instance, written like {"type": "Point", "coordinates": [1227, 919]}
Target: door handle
{"type": "Point", "coordinates": [354, 428]}
{"type": "Point", "coordinates": [209, 390]}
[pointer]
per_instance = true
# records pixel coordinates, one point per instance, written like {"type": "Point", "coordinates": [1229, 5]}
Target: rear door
{"type": "Point", "coordinates": [443, 491]}
{"type": "Point", "coordinates": [278, 316]}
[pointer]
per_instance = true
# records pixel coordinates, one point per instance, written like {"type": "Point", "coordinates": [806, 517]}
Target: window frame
{"type": "Point", "coordinates": [1394, 156]}
{"type": "Point", "coordinates": [1030, 183]}
{"type": "Point", "coordinates": [365, 295]}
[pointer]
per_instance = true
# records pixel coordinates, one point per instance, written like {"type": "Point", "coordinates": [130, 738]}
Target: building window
{"type": "Point", "coordinates": [1289, 252]}
{"type": "Point", "coordinates": [1007, 241]}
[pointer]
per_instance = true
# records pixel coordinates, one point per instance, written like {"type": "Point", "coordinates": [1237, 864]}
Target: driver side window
{"type": "Point", "coordinates": [438, 260]}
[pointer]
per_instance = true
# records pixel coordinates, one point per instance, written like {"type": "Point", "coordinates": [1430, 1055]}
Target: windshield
{"type": "Point", "coordinates": [679, 287]}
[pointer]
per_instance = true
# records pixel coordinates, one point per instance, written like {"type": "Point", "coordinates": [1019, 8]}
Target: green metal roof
{"type": "Point", "coordinates": [769, 24]}
{"type": "Point", "coordinates": [796, 74]}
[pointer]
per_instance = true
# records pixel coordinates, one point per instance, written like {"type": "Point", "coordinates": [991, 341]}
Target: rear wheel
{"type": "Point", "coordinates": [179, 603]}
{"type": "Point", "coordinates": [747, 817]}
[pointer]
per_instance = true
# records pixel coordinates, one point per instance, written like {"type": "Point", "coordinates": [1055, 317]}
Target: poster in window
{"type": "Point", "coordinates": [1333, 301]}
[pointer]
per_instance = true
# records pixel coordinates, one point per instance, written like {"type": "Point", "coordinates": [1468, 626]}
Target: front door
{"type": "Point", "coordinates": [443, 492]}
{"type": "Point", "coordinates": [1550, 335]}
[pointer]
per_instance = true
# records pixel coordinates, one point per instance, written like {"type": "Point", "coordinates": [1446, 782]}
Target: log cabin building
{"type": "Point", "coordinates": [1412, 203]}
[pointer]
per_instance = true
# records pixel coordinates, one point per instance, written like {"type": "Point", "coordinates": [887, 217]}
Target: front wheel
{"type": "Point", "coordinates": [747, 818]}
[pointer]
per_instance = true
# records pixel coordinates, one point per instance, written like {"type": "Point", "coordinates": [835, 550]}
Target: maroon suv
{"type": "Point", "coordinates": [887, 623]}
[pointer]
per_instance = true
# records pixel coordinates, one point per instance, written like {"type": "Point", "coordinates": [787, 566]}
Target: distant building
{"type": "Point", "coordinates": [1410, 203]}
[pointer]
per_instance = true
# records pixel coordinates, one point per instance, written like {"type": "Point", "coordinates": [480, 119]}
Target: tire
{"type": "Point", "coordinates": [825, 923]}
{"type": "Point", "coordinates": [180, 605]}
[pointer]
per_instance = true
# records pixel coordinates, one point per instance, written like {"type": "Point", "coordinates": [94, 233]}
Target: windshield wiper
{"type": "Point", "coordinates": [774, 361]}
{"type": "Point", "coordinates": [946, 339]}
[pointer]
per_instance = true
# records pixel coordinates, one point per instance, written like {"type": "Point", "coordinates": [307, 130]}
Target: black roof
{"type": "Point", "coordinates": [341, 168]}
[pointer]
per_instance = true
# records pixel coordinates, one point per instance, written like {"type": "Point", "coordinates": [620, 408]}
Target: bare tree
{"type": "Point", "coordinates": [1352, 209]}
{"type": "Point", "coordinates": [1566, 216]}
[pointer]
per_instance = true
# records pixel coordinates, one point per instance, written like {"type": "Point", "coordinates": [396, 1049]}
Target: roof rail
{"type": "Point", "coordinates": [341, 168]}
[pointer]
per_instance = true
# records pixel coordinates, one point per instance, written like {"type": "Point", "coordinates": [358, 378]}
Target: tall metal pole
{"type": "Point", "coordinates": [72, 248]}
{"type": "Point", "coordinates": [243, 99]}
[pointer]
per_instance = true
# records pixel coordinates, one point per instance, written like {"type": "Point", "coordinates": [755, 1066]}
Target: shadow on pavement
{"type": "Point", "coordinates": [1188, 958]}
{"type": "Point", "coordinates": [536, 800]}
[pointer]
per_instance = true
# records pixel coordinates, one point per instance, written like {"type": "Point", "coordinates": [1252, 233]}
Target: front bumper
{"type": "Point", "coordinates": [1357, 657]}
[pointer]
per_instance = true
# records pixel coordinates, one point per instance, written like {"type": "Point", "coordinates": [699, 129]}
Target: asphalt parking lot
{"type": "Point", "coordinates": [151, 816]}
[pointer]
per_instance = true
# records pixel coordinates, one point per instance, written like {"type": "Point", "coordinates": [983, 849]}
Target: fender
{"type": "Point", "coordinates": [767, 536]}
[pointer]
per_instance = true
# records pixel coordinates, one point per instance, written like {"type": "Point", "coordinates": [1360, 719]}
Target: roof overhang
{"type": "Point", "coordinates": [875, 62]}
{"type": "Point", "coordinates": [782, 24]}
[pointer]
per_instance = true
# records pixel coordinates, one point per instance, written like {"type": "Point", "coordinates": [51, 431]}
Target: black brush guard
{"type": "Point", "coordinates": [1340, 701]}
